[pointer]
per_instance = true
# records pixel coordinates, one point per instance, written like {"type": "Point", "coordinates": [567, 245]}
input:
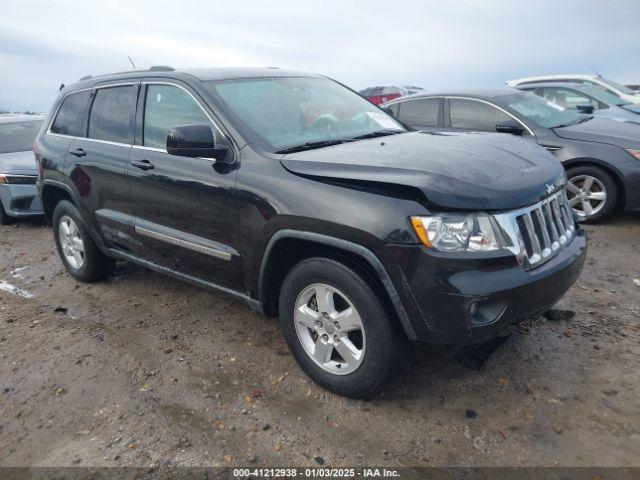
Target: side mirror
{"type": "Point", "coordinates": [585, 108]}
{"type": "Point", "coordinates": [509, 126]}
{"type": "Point", "coordinates": [195, 140]}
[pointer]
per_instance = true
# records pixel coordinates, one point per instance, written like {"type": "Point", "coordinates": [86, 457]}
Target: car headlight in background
{"type": "Point", "coordinates": [634, 153]}
{"type": "Point", "coordinates": [457, 233]}
{"type": "Point", "coordinates": [18, 179]}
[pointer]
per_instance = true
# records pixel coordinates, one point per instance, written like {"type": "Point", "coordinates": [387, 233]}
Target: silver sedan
{"type": "Point", "coordinates": [18, 170]}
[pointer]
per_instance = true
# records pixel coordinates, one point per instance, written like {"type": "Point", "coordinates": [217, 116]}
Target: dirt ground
{"type": "Point", "coordinates": [144, 370]}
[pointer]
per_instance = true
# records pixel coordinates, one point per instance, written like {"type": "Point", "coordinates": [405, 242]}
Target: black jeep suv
{"type": "Point", "coordinates": [293, 193]}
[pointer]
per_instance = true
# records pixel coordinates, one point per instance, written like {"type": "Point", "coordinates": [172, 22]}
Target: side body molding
{"type": "Point", "coordinates": [359, 250]}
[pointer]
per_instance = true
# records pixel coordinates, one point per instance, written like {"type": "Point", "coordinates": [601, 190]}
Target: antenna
{"type": "Point", "coordinates": [132, 64]}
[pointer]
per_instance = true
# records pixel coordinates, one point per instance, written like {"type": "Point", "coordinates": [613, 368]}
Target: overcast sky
{"type": "Point", "coordinates": [433, 44]}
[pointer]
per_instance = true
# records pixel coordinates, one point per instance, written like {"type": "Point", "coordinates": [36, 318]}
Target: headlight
{"type": "Point", "coordinates": [457, 233]}
{"type": "Point", "coordinates": [634, 153]}
{"type": "Point", "coordinates": [18, 179]}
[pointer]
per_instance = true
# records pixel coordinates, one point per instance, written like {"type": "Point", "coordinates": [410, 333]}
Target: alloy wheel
{"type": "Point", "coordinates": [330, 329]}
{"type": "Point", "coordinates": [71, 242]}
{"type": "Point", "coordinates": [586, 194]}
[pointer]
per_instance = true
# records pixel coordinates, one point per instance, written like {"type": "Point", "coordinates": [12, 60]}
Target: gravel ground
{"type": "Point", "coordinates": [144, 370]}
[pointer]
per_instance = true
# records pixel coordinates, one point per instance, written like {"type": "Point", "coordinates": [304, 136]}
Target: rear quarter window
{"type": "Point", "coordinates": [71, 118]}
{"type": "Point", "coordinates": [422, 112]}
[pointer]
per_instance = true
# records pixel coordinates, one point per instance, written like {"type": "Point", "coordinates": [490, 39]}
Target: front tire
{"type": "Point", "coordinates": [592, 193]}
{"type": "Point", "coordinates": [338, 330]}
{"type": "Point", "coordinates": [78, 252]}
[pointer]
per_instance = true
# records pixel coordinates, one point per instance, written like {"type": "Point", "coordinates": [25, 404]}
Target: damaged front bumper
{"type": "Point", "coordinates": [469, 298]}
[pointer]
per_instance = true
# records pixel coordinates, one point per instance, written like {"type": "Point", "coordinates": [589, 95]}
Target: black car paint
{"type": "Point", "coordinates": [356, 198]}
{"type": "Point", "coordinates": [596, 141]}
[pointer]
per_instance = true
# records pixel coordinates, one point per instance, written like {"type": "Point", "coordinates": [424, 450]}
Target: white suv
{"type": "Point", "coordinates": [595, 80]}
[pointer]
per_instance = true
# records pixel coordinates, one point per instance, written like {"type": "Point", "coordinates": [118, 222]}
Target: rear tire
{"type": "Point", "coordinates": [592, 193]}
{"type": "Point", "coordinates": [338, 330]}
{"type": "Point", "coordinates": [78, 252]}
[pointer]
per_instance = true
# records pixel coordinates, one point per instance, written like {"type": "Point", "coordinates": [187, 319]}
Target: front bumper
{"type": "Point", "coordinates": [465, 299]}
{"type": "Point", "coordinates": [630, 173]}
{"type": "Point", "coordinates": [20, 200]}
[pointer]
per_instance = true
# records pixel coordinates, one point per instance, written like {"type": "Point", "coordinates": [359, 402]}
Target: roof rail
{"type": "Point", "coordinates": [155, 68]}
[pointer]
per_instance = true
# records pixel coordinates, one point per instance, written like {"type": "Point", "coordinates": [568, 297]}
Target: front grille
{"type": "Point", "coordinates": [546, 228]}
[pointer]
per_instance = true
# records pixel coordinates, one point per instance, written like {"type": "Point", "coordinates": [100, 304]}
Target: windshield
{"type": "Point", "coordinates": [617, 86]}
{"type": "Point", "coordinates": [603, 95]}
{"type": "Point", "coordinates": [281, 113]}
{"type": "Point", "coordinates": [18, 136]}
{"type": "Point", "coordinates": [540, 111]}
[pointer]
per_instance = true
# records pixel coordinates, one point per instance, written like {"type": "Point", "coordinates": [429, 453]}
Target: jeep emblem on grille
{"type": "Point", "coordinates": [550, 188]}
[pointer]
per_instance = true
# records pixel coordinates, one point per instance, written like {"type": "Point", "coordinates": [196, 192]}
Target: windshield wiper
{"type": "Point", "coordinates": [376, 134]}
{"type": "Point", "coordinates": [310, 146]}
{"type": "Point", "coordinates": [575, 121]}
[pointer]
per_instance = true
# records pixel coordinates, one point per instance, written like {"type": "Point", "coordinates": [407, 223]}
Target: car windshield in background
{"type": "Point", "coordinates": [603, 95]}
{"type": "Point", "coordinates": [540, 111]}
{"type": "Point", "coordinates": [617, 86]}
{"type": "Point", "coordinates": [18, 136]}
{"type": "Point", "coordinates": [285, 114]}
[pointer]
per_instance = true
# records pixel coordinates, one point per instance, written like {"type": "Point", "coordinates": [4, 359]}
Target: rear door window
{"type": "Point", "coordinates": [423, 112]}
{"type": "Point", "coordinates": [71, 118]}
{"type": "Point", "coordinates": [474, 115]}
{"type": "Point", "coordinates": [112, 114]}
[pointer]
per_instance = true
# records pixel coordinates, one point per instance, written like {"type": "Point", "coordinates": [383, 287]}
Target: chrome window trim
{"type": "Point", "coordinates": [156, 82]}
{"type": "Point", "coordinates": [131, 145]}
{"type": "Point", "coordinates": [53, 117]}
{"type": "Point", "coordinates": [492, 105]}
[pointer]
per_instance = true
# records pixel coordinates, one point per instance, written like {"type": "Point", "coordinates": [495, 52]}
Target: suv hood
{"type": "Point", "coordinates": [603, 130]}
{"type": "Point", "coordinates": [18, 163]}
{"type": "Point", "coordinates": [464, 171]}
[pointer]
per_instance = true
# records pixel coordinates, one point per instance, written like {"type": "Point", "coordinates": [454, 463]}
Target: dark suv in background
{"type": "Point", "coordinates": [296, 195]}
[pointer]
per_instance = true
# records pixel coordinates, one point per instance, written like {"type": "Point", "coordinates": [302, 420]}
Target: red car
{"type": "Point", "coordinates": [378, 95]}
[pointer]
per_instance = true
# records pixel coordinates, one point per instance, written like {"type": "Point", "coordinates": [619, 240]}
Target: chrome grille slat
{"type": "Point", "coordinates": [559, 221]}
{"type": "Point", "coordinates": [536, 255]}
{"type": "Point", "coordinates": [552, 225]}
{"type": "Point", "coordinates": [544, 229]}
{"type": "Point", "coordinates": [545, 232]}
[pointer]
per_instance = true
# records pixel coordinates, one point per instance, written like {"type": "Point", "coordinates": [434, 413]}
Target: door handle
{"type": "Point", "coordinates": [78, 152]}
{"type": "Point", "coordinates": [143, 164]}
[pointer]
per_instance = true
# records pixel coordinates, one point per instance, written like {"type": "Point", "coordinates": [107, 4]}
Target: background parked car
{"type": "Point", "coordinates": [586, 99]}
{"type": "Point", "coordinates": [593, 80]}
{"type": "Point", "coordinates": [601, 156]}
{"type": "Point", "coordinates": [18, 169]}
{"type": "Point", "coordinates": [378, 95]}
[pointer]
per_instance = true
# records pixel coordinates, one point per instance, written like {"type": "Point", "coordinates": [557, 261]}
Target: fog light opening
{"type": "Point", "coordinates": [486, 312]}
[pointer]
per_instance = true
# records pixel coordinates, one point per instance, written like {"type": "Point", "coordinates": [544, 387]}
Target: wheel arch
{"type": "Point", "coordinates": [615, 175]}
{"type": "Point", "coordinates": [288, 247]}
{"type": "Point", "coordinates": [51, 193]}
